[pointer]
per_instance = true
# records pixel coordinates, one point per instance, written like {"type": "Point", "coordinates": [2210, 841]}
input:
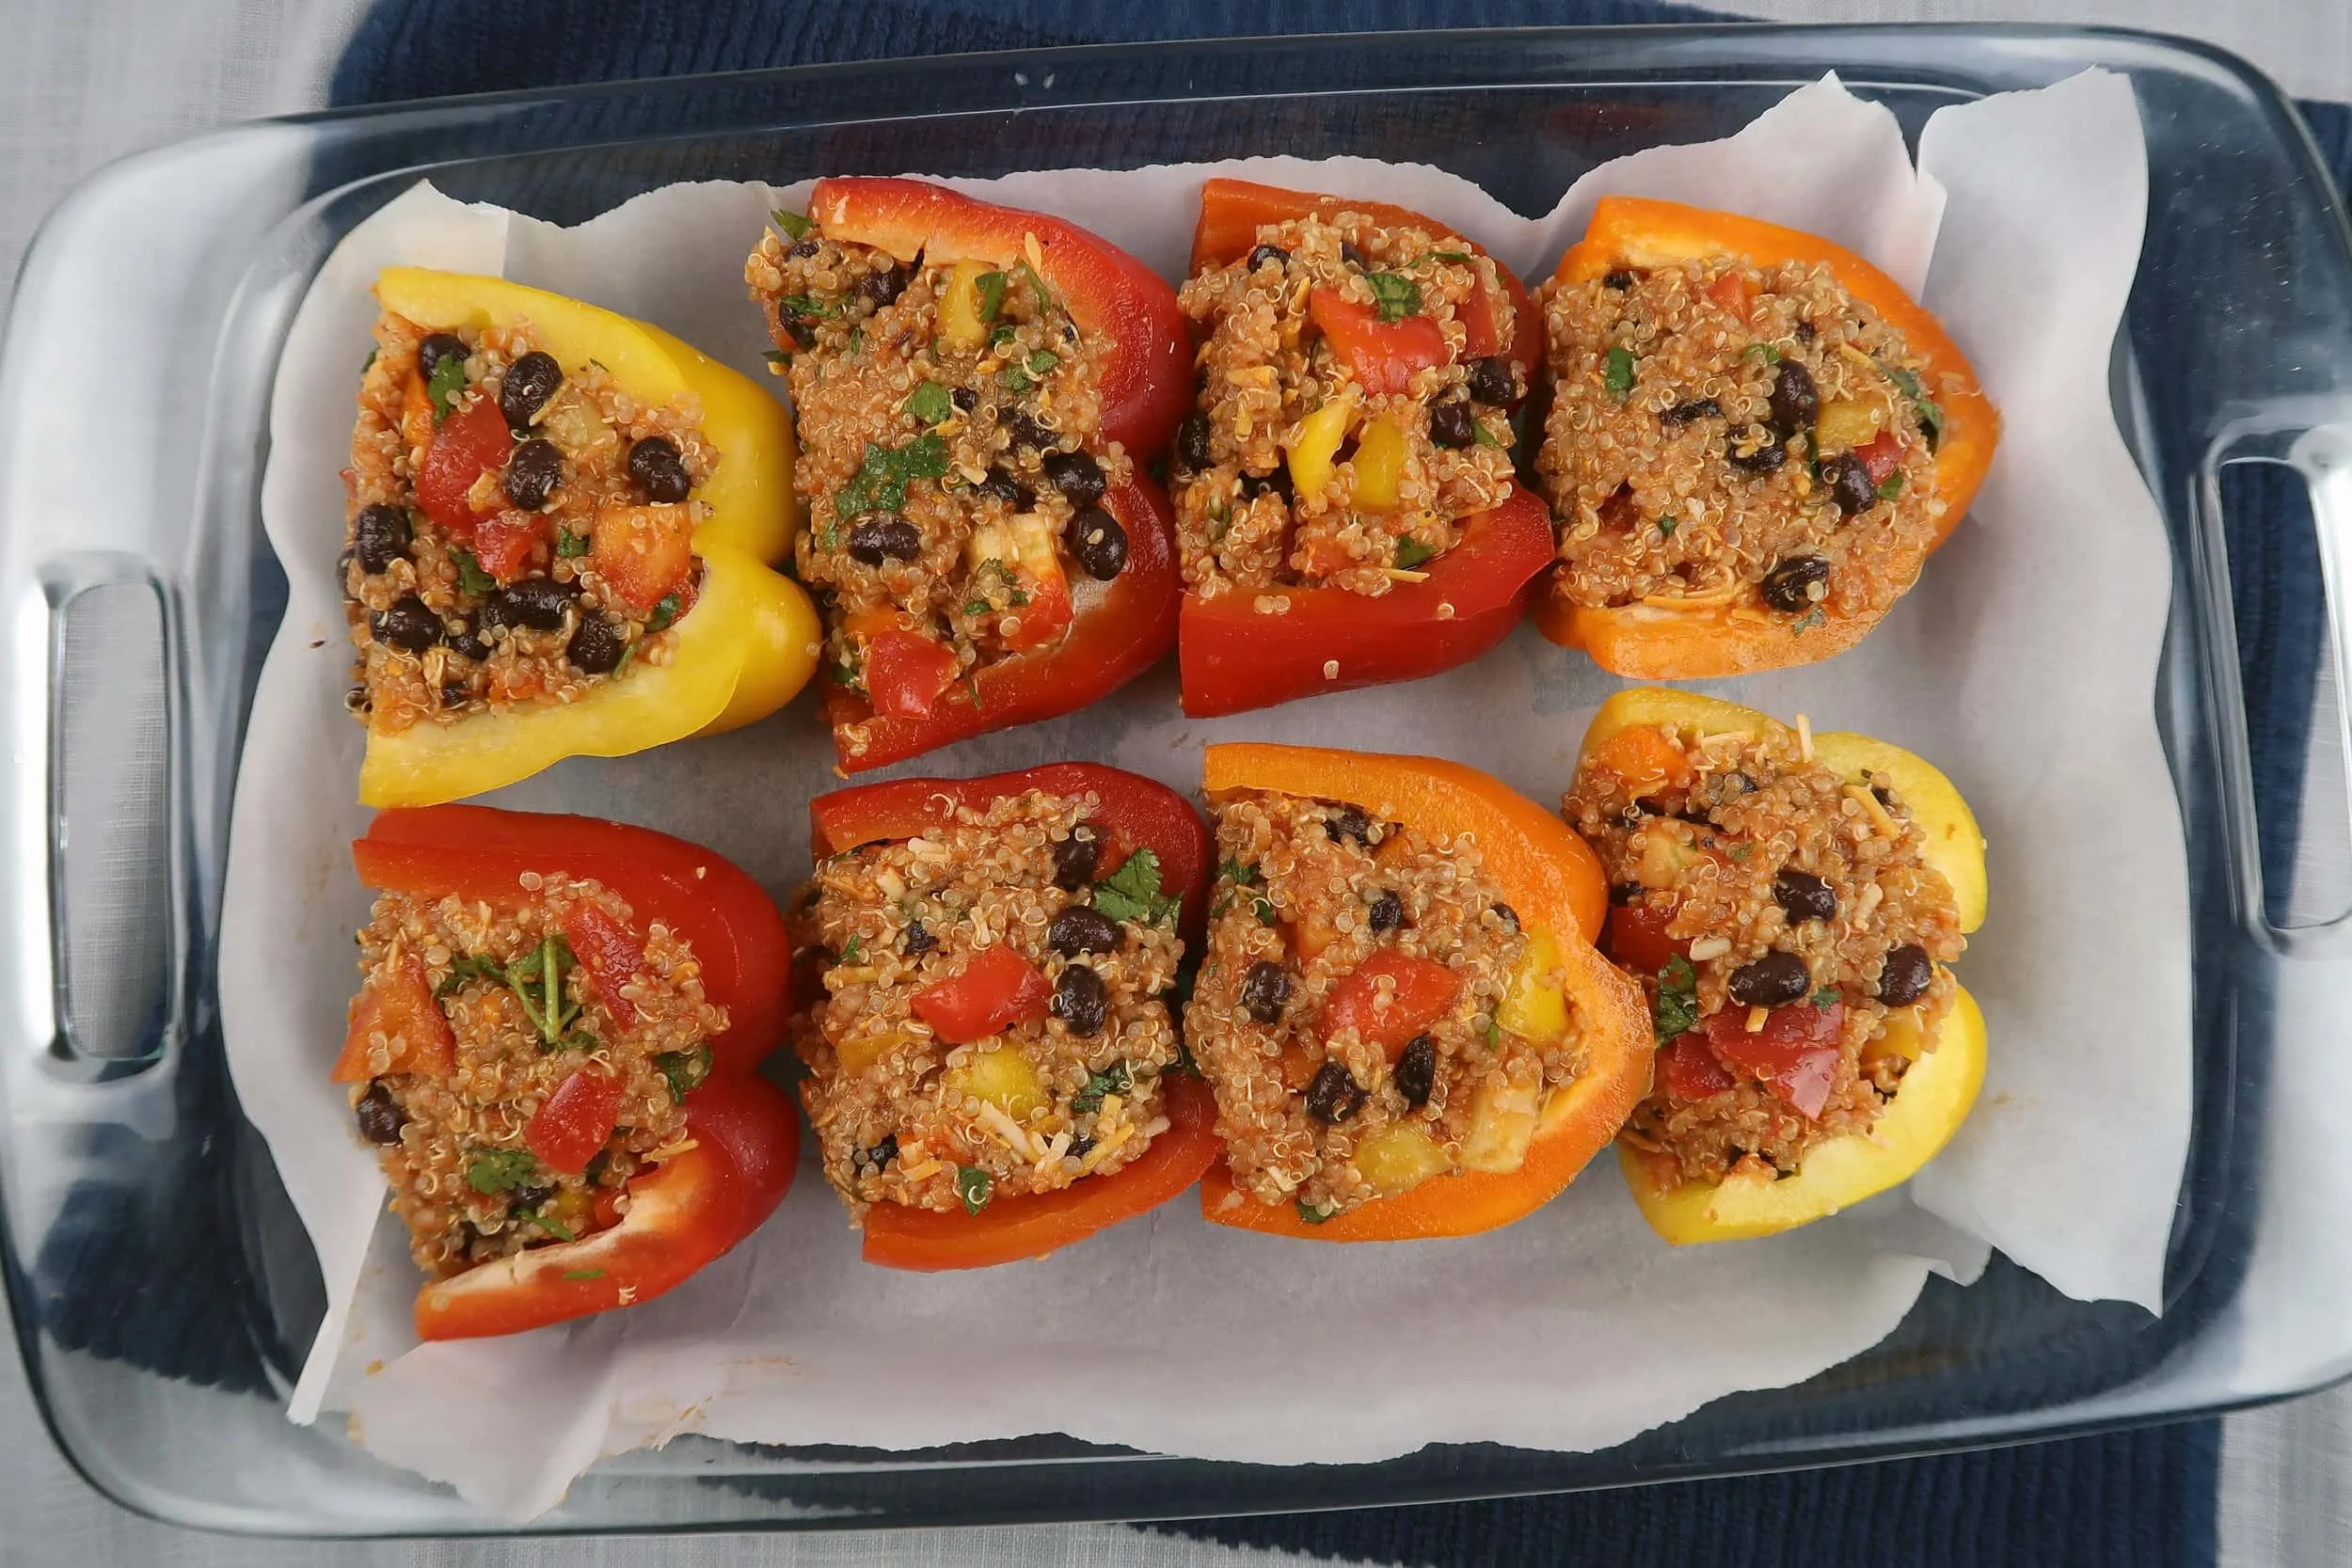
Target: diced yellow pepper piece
{"type": "Point", "coordinates": [1379, 465]}
{"type": "Point", "coordinates": [1537, 1009]}
{"type": "Point", "coordinates": [860, 1052]}
{"type": "Point", "coordinates": [959, 321]}
{"type": "Point", "coordinates": [1399, 1158]}
{"type": "Point", "coordinates": [1503, 1124]}
{"type": "Point", "coordinates": [1002, 1077]}
{"type": "Point", "coordinates": [1845, 423]}
{"type": "Point", "coordinates": [1900, 1037]}
{"type": "Point", "coordinates": [1317, 444]}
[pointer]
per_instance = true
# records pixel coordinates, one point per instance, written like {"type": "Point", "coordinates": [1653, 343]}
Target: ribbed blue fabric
{"type": "Point", "coordinates": [2141, 1498]}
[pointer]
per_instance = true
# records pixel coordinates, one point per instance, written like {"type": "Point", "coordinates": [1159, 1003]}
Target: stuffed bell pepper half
{"type": "Point", "coordinates": [976, 390]}
{"type": "Point", "coordinates": [1755, 439]}
{"type": "Point", "coordinates": [1400, 1008]}
{"type": "Point", "coordinates": [1792, 903]}
{"type": "Point", "coordinates": [994, 1064]}
{"type": "Point", "coordinates": [559, 524]}
{"type": "Point", "coordinates": [1345, 492]}
{"type": "Point", "coordinates": [551, 1052]}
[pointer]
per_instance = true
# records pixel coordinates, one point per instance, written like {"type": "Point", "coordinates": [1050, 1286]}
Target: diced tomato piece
{"type": "Point", "coordinates": [466, 447]}
{"type": "Point", "coordinates": [1422, 990]}
{"type": "Point", "coordinates": [1383, 355]}
{"type": "Point", "coordinates": [1044, 617]}
{"type": "Point", "coordinates": [399, 1006]}
{"type": "Point", "coordinates": [1732, 293]}
{"type": "Point", "coordinates": [906, 673]}
{"type": "Point", "coordinates": [997, 989]}
{"type": "Point", "coordinates": [1795, 1053]}
{"type": "Point", "coordinates": [1637, 939]}
{"type": "Point", "coordinates": [1480, 336]}
{"type": "Point", "coordinates": [503, 544]}
{"type": "Point", "coordinates": [1645, 759]}
{"type": "Point", "coordinates": [611, 954]}
{"type": "Point", "coordinates": [644, 553]}
{"type": "Point", "coordinates": [1881, 455]}
{"type": "Point", "coordinates": [607, 1210]}
{"type": "Point", "coordinates": [1693, 1071]}
{"type": "Point", "coordinates": [572, 1125]}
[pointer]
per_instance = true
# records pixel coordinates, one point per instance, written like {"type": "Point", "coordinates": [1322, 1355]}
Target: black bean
{"type": "Point", "coordinates": [1080, 929]}
{"type": "Point", "coordinates": [803, 248]}
{"type": "Point", "coordinates": [531, 1197]}
{"type": "Point", "coordinates": [1451, 424]}
{"type": "Point", "coordinates": [1624, 893]}
{"type": "Point", "coordinates": [1698, 408]}
{"type": "Point", "coordinates": [1904, 978]}
{"type": "Point", "coordinates": [1766, 459]}
{"type": "Point", "coordinates": [529, 382]}
{"type": "Point", "coordinates": [533, 473]}
{"type": "Point", "coordinates": [379, 1114]}
{"type": "Point", "coordinates": [406, 625]}
{"type": "Point", "coordinates": [597, 645]}
{"type": "Point", "coordinates": [653, 463]}
{"type": "Point", "coordinates": [1490, 380]}
{"type": "Point", "coordinates": [455, 694]}
{"type": "Point", "coordinates": [1417, 1071]}
{"type": "Point", "coordinates": [1350, 256]}
{"type": "Point", "coordinates": [802, 335]}
{"type": "Point", "coordinates": [1030, 433]}
{"type": "Point", "coordinates": [1100, 545]}
{"type": "Point", "coordinates": [1077, 475]}
{"type": "Point", "coordinates": [1388, 910]}
{"type": "Point", "coordinates": [379, 537]}
{"type": "Point", "coordinates": [1334, 1096]}
{"type": "Point", "coordinates": [1796, 401]}
{"type": "Point", "coordinates": [1074, 858]}
{"type": "Point", "coordinates": [466, 638]}
{"type": "Point", "coordinates": [1078, 1149]}
{"type": "Point", "coordinates": [873, 1161]}
{"type": "Point", "coordinates": [1080, 1001]}
{"type": "Point", "coordinates": [1266, 991]}
{"type": "Point", "coordinates": [1801, 896]}
{"type": "Point", "coordinates": [436, 348]}
{"type": "Point", "coordinates": [965, 399]}
{"type": "Point", "coordinates": [538, 603]}
{"type": "Point", "coordinates": [1278, 481]}
{"type": "Point", "coordinates": [1265, 253]}
{"type": "Point", "coordinates": [1731, 785]}
{"type": "Point", "coordinates": [1850, 483]}
{"type": "Point", "coordinates": [1618, 279]}
{"type": "Point", "coordinates": [1509, 916]}
{"type": "Point", "coordinates": [1805, 333]}
{"type": "Point", "coordinates": [1005, 488]}
{"type": "Point", "coordinates": [1785, 586]}
{"type": "Point", "coordinates": [1348, 822]}
{"type": "Point", "coordinates": [1772, 981]}
{"type": "Point", "coordinates": [919, 939]}
{"type": "Point", "coordinates": [885, 536]}
{"type": "Point", "coordinates": [881, 288]}
{"type": "Point", "coordinates": [1193, 453]}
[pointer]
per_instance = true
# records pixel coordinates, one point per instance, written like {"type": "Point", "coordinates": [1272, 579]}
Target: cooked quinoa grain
{"type": "Point", "coordinates": [1068, 1090]}
{"type": "Point", "coordinates": [1728, 432]}
{"type": "Point", "coordinates": [1816, 935]}
{"type": "Point", "coordinates": [547, 597]}
{"type": "Point", "coordinates": [453, 1145]}
{"type": "Point", "coordinates": [1334, 1085]}
{"type": "Point", "coordinates": [1405, 466]}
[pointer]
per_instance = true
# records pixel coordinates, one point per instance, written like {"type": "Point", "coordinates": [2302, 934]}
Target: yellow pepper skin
{"type": "Point", "coordinates": [1938, 1090]}
{"type": "Point", "coordinates": [750, 642]}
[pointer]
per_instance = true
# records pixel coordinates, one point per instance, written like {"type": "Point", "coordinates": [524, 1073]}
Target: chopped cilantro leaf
{"type": "Point", "coordinates": [793, 223]}
{"type": "Point", "coordinates": [663, 613]}
{"type": "Point", "coordinates": [1445, 256]}
{"type": "Point", "coordinates": [1930, 422]}
{"type": "Point", "coordinates": [1807, 621]}
{"type": "Point", "coordinates": [776, 356]}
{"type": "Point", "coordinates": [1676, 1010]}
{"type": "Point", "coordinates": [1411, 553]}
{"type": "Point", "coordinates": [1483, 437]}
{"type": "Point", "coordinates": [971, 1181]}
{"type": "Point", "coordinates": [1313, 1215]}
{"type": "Point", "coordinates": [1492, 1032]}
{"type": "Point", "coordinates": [1117, 1079]}
{"type": "Point", "coordinates": [1394, 295]}
{"type": "Point", "coordinates": [1905, 380]}
{"type": "Point", "coordinates": [1044, 295]}
{"type": "Point", "coordinates": [684, 1070]}
{"type": "Point", "coordinates": [850, 949]}
{"type": "Point", "coordinates": [881, 479]}
{"type": "Point", "coordinates": [930, 403]}
{"type": "Point", "coordinates": [500, 1170]}
{"type": "Point", "coordinates": [990, 286]}
{"type": "Point", "coordinates": [447, 381]}
{"type": "Point", "coordinates": [583, 1273]}
{"type": "Point", "coordinates": [1133, 891]}
{"type": "Point", "coordinates": [1765, 352]}
{"type": "Point", "coordinates": [807, 307]}
{"type": "Point", "coordinates": [470, 577]}
{"type": "Point", "coordinates": [1666, 526]}
{"type": "Point", "coordinates": [554, 1227]}
{"type": "Point", "coordinates": [570, 545]}
{"type": "Point", "coordinates": [467, 967]}
{"type": "Point", "coordinates": [1618, 375]}
{"type": "Point", "coordinates": [1825, 997]}
{"type": "Point", "coordinates": [1238, 874]}
{"type": "Point", "coordinates": [1265, 912]}
{"type": "Point", "coordinates": [1042, 363]}
{"type": "Point", "coordinates": [1891, 486]}
{"type": "Point", "coordinates": [369, 363]}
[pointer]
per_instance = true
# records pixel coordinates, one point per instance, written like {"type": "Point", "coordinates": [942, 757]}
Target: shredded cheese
{"type": "Point", "coordinates": [1804, 737]}
{"type": "Point", "coordinates": [1869, 802]}
{"type": "Point", "coordinates": [1707, 601]}
{"type": "Point", "coordinates": [1757, 1017]}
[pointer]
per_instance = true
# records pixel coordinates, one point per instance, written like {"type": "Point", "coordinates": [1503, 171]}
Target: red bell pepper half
{"type": "Point", "coordinates": [1133, 812]}
{"type": "Point", "coordinates": [1234, 659]}
{"type": "Point", "coordinates": [1120, 629]}
{"type": "Point", "coordinates": [1146, 383]}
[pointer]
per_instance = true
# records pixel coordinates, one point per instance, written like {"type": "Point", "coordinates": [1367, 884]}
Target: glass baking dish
{"type": "Point", "coordinates": [163, 1293]}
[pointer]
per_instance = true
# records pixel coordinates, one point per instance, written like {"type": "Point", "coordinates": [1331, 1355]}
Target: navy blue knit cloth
{"type": "Point", "coordinates": [2140, 1499]}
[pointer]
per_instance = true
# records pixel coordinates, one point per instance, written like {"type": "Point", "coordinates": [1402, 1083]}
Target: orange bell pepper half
{"type": "Point", "coordinates": [1118, 630]}
{"type": "Point", "coordinates": [1662, 642]}
{"type": "Point", "coordinates": [1232, 659]}
{"type": "Point", "coordinates": [1552, 880]}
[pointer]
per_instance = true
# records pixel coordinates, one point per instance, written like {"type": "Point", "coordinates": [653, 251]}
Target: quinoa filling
{"type": "Point", "coordinates": [951, 456]}
{"type": "Point", "coordinates": [579, 559]}
{"type": "Point", "coordinates": [1722, 432]}
{"type": "Point", "coordinates": [1364, 1010]}
{"type": "Point", "coordinates": [1023, 914]}
{"type": "Point", "coordinates": [1297, 470]}
{"type": "Point", "coordinates": [1791, 937]}
{"type": "Point", "coordinates": [522, 1017]}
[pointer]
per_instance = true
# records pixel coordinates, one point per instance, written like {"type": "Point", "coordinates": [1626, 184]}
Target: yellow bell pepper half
{"type": "Point", "coordinates": [752, 638]}
{"type": "Point", "coordinates": [1939, 1089]}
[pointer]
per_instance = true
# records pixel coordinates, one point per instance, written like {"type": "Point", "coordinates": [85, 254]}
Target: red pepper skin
{"type": "Point", "coordinates": [1012, 1228]}
{"type": "Point", "coordinates": [1234, 659]}
{"type": "Point", "coordinates": [1691, 1070]}
{"type": "Point", "coordinates": [1146, 386]}
{"type": "Point", "coordinates": [1137, 812]}
{"type": "Point", "coordinates": [611, 954]}
{"type": "Point", "coordinates": [502, 545]}
{"type": "Point", "coordinates": [996, 989]}
{"type": "Point", "coordinates": [466, 446]}
{"type": "Point", "coordinates": [478, 852]}
{"type": "Point", "coordinates": [571, 1125]}
{"type": "Point", "coordinates": [687, 1211]}
{"type": "Point", "coordinates": [1383, 355]}
{"type": "Point", "coordinates": [1120, 629]}
{"type": "Point", "coordinates": [403, 1005]}
{"type": "Point", "coordinates": [1422, 990]}
{"type": "Point", "coordinates": [1795, 1053]}
{"type": "Point", "coordinates": [907, 673]}
{"type": "Point", "coordinates": [1880, 455]}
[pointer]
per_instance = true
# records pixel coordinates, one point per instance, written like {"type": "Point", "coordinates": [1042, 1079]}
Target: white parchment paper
{"type": "Point", "coordinates": [2023, 663]}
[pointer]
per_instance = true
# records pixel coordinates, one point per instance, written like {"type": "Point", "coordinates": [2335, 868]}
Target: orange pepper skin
{"type": "Point", "coordinates": [1552, 880]}
{"type": "Point", "coordinates": [1659, 643]}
